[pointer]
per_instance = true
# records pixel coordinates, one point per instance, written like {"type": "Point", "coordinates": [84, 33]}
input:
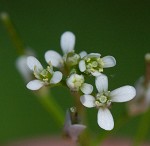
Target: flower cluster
{"type": "Point", "coordinates": [72, 68]}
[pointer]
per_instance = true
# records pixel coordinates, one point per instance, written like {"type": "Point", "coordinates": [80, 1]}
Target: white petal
{"type": "Point", "coordinates": [82, 66]}
{"type": "Point", "coordinates": [54, 57]}
{"type": "Point", "coordinates": [123, 94]}
{"type": "Point", "coordinates": [109, 61]}
{"type": "Point", "coordinates": [88, 100]}
{"type": "Point", "coordinates": [70, 83]}
{"type": "Point", "coordinates": [96, 73]}
{"type": "Point", "coordinates": [57, 77]}
{"type": "Point", "coordinates": [67, 42]}
{"type": "Point", "coordinates": [21, 64]}
{"type": "Point", "coordinates": [86, 88]}
{"type": "Point", "coordinates": [101, 83]}
{"type": "Point", "coordinates": [32, 62]}
{"type": "Point", "coordinates": [97, 55]}
{"type": "Point", "coordinates": [82, 54]}
{"type": "Point", "coordinates": [35, 85]}
{"type": "Point", "coordinates": [75, 130]}
{"type": "Point", "coordinates": [105, 119]}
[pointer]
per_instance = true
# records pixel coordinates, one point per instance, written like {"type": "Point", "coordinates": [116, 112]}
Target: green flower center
{"type": "Point", "coordinates": [78, 81]}
{"type": "Point", "coordinates": [94, 64]}
{"type": "Point", "coordinates": [45, 74]}
{"type": "Point", "coordinates": [102, 99]}
{"type": "Point", "coordinates": [72, 59]}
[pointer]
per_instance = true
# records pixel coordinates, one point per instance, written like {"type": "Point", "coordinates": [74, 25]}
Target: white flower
{"type": "Point", "coordinates": [21, 65]}
{"type": "Point", "coordinates": [141, 101]}
{"type": "Point", "coordinates": [44, 76]}
{"type": "Point", "coordinates": [72, 130]}
{"type": "Point", "coordinates": [76, 82]}
{"type": "Point", "coordinates": [67, 42]}
{"type": "Point", "coordinates": [104, 98]}
{"type": "Point", "coordinates": [93, 64]}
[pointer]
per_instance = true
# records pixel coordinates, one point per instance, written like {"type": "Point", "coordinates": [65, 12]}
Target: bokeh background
{"type": "Point", "coordinates": [117, 28]}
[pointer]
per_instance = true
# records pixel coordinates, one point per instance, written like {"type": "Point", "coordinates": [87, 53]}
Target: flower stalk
{"type": "Point", "coordinates": [49, 103]}
{"type": "Point", "coordinates": [15, 38]}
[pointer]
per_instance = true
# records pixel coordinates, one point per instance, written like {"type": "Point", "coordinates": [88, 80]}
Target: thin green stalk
{"type": "Point", "coordinates": [51, 106]}
{"type": "Point", "coordinates": [44, 97]}
{"type": "Point", "coordinates": [143, 129]}
{"type": "Point", "coordinates": [85, 138]}
{"type": "Point", "coordinates": [18, 43]}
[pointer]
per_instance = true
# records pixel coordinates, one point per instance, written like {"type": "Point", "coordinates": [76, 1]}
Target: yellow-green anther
{"type": "Point", "coordinates": [92, 69]}
{"type": "Point", "coordinates": [89, 66]}
{"type": "Point", "coordinates": [45, 80]}
{"type": "Point", "coordinates": [88, 60]}
{"type": "Point", "coordinates": [44, 73]}
{"type": "Point", "coordinates": [100, 69]}
{"type": "Point", "coordinates": [98, 104]}
{"type": "Point", "coordinates": [99, 60]}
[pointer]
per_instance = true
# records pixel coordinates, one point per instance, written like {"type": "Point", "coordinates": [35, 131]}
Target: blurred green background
{"type": "Point", "coordinates": [117, 28]}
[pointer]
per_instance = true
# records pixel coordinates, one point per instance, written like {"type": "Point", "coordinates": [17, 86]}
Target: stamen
{"type": "Point", "coordinates": [88, 59]}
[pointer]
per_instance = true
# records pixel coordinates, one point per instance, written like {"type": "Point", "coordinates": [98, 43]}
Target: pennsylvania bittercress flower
{"type": "Point", "coordinates": [104, 98]}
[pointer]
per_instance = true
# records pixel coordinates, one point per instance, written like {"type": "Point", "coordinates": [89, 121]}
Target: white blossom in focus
{"type": "Point", "coordinates": [43, 76]}
{"type": "Point", "coordinates": [67, 42]}
{"type": "Point", "coordinates": [94, 64]}
{"type": "Point", "coordinates": [104, 98]}
{"type": "Point", "coordinates": [76, 82]}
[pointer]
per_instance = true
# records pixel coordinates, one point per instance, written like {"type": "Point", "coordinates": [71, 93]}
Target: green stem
{"type": "Point", "coordinates": [18, 43]}
{"type": "Point", "coordinates": [85, 138]}
{"type": "Point", "coordinates": [143, 129]}
{"type": "Point", "coordinates": [52, 107]}
{"type": "Point", "coordinates": [44, 97]}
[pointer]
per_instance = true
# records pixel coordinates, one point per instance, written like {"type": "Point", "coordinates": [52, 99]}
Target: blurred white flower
{"type": "Point", "coordinates": [76, 82]}
{"type": "Point", "coordinates": [44, 76]}
{"type": "Point", "coordinates": [104, 98]}
{"type": "Point", "coordinates": [72, 130]}
{"type": "Point", "coordinates": [21, 65]}
{"type": "Point", "coordinates": [141, 102]}
{"type": "Point", "coordinates": [93, 64]}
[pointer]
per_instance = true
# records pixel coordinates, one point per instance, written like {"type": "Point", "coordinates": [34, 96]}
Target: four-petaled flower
{"type": "Point", "coordinates": [104, 98]}
{"type": "Point", "coordinates": [43, 76]}
{"type": "Point", "coordinates": [93, 64]}
{"type": "Point", "coordinates": [70, 58]}
{"type": "Point", "coordinates": [76, 82]}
